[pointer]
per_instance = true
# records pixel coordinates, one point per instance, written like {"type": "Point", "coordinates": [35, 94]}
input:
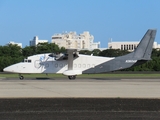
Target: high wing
{"type": "Point", "coordinates": [64, 56]}
{"type": "Point", "coordinates": [72, 54]}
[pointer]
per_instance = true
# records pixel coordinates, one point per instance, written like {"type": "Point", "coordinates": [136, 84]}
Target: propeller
{"type": "Point", "coordinates": [41, 62]}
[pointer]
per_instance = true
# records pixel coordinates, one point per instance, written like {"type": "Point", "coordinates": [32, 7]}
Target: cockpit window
{"type": "Point", "coordinates": [27, 60]}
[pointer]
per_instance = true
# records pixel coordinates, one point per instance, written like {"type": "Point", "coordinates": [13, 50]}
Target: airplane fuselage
{"type": "Point", "coordinates": [42, 63]}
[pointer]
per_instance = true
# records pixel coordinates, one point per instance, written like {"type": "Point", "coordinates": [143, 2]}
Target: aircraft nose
{"type": "Point", "coordinates": [8, 69]}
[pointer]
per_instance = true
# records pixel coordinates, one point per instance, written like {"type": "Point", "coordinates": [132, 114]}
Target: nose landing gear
{"type": "Point", "coordinates": [21, 77]}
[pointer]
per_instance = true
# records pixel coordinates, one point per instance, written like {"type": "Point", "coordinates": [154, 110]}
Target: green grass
{"type": "Point", "coordinates": [107, 75]}
{"type": "Point", "coordinates": [10, 75]}
{"type": "Point", "coordinates": [131, 76]}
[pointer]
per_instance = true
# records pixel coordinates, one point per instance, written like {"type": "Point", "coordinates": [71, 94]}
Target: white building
{"type": "Point", "coordinates": [72, 40]}
{"type": "Point", "coordinates": [13, 43]}
{"type": "Point", "coordinates": [35, 41]}
{"type": "Point", "coordinates": [130, 46]}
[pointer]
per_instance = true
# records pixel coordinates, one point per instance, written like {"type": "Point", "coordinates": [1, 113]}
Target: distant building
{"type": "Point", "coordinates": [13, 43]}
{"type": "Point", "coordinates": [35, 41]}
{"type": "Point", "coordinates": [72, 40]}
{"type": "Point", "coordinates": [130, 46]}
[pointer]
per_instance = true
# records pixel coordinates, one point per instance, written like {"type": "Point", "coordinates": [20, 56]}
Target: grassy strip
{"type": "Point", "coordinates": [107, 75]}
{"type": "Point", "coordinates": [10, 75]}
{"type": "Point", "coordinates": [131, 76]}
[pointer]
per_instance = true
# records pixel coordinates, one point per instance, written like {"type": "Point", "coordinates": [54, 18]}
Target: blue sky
{"type": "Point", "coordinates": [121, 20]}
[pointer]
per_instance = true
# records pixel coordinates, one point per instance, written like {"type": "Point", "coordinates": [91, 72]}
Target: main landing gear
{"type": "Point", "coordinates": [21, 77]}
{"type": "Point", "coordinates": [72, 77]}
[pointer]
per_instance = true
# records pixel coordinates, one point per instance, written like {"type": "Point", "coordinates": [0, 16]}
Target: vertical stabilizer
{"type": "Point", "coordinates": [145, 46]}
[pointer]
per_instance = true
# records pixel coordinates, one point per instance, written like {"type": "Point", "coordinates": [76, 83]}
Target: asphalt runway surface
{"type": "Point", "coordinates": [80, 99]}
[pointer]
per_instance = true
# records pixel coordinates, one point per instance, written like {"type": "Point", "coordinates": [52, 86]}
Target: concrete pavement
{"type": "Point", "coordinates": [80, 88]}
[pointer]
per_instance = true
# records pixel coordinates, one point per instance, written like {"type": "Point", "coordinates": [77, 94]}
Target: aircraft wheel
{"type": "Point", "coordinates": [21, 77]}
{"type": "Point", "coordinates": [72, 77]}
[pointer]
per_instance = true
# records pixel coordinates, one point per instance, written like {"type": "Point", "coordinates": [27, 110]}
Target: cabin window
{"type": "Point", "coordinates": [29, 61]}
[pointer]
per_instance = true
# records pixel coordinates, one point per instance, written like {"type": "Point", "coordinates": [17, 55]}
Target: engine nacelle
{"type": "Point", "coordinates": [72, 72]}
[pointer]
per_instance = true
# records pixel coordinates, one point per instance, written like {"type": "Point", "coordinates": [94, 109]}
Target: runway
{"type": "Point", "coordinates": [80, 88]}
{"type": "Point", "coordinates": [80, 99]}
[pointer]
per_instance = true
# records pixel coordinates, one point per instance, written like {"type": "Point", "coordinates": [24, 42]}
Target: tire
{"type": "Point", "coordinates": [21, 77]}
{"type": "Point", "coordinates": [72, 77]}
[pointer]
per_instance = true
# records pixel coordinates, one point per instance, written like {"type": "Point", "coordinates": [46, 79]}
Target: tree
{"type": "Point", "coordinates": [28, 51]}
{"type": "Point", "coordinates": [96, 52]}
{"type": "Point", "coordinates": [113, 52]}
{"type": "Point", "coordinates": [47, 48]}
{"type": "Point", "coordinates": [11, 50]}
{"type": "Point", "coordinates": [86, 52]}
{"type": "Point", "coordinates": [62, 49]}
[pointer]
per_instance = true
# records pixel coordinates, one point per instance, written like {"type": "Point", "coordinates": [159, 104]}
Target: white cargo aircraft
{"type": "Point", "coordinates": [72, 64]}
